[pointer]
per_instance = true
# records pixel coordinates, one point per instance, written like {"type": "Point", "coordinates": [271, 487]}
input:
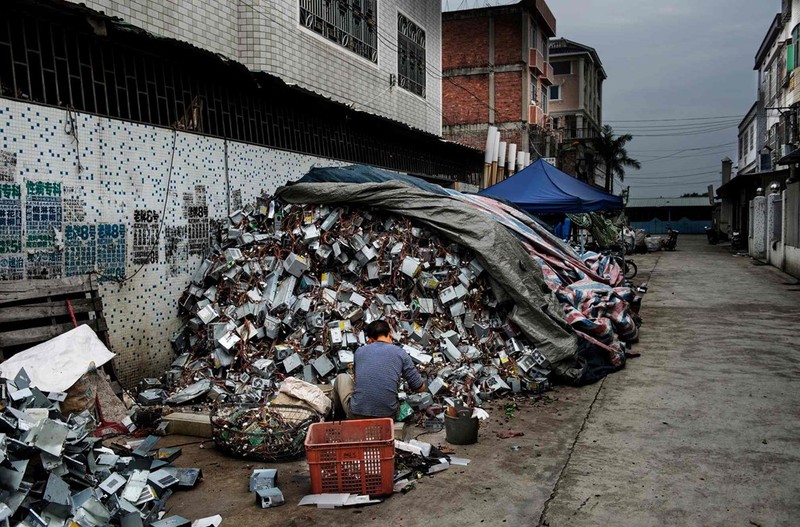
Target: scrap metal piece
{"type": "Point", "coordinates": [191, 392]}
{"type": "Point", "coordinates": [112, 484]}
{"type": "Point", "coordinates": [172, 521]}
{"type": "Point", "coordinates": [295, 265]}
{"type": "Point", "coordinates": [188, 477]}
{"type": "Point", "coordinates": [146, 445]}
{"type": "Point", "coordinates": [50, 436]}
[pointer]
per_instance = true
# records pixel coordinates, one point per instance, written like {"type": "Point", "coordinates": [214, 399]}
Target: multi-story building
{"type": "Point", "coordinates": [576, 107]}
{"type": "Point", "coordinates": [749, 158]}
{"type": "Point", "coordinates": [761, 200]}
{"type": "Point", "coordinates": [496, 71]}
{"type": "Point", "coordinates": [380, 57]}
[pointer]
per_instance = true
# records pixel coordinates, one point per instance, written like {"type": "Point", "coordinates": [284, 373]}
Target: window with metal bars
{"type": "Point", "coordinates": [352, 24]}
{"type": "Point", "coordinates": [56, 57]}
{"type": "Point", "coordinates": [411, 63]}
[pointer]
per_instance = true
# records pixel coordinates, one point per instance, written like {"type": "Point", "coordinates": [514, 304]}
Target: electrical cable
{"type": "Point", "coordinates": [154, 247]}
{"type": "Point", "coordinates": [687, 149]}
{"type": "Point", "coordinates": [673, 120]}
{"type": "Point", "coordinates": [639, 176]}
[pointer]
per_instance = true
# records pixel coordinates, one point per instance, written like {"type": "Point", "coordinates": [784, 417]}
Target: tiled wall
{"type": "Point", "coordinates": [209, 25]}
{"type": "Point", "coordinates": [108, 212]}
{"type": "Point", "coordinates": [265, 35]}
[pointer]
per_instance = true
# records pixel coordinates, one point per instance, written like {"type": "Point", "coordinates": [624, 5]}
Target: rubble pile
{"type": "Point", "coordinates": [54, 471]}
{"type": "Point", "coordinates": [289, 288]}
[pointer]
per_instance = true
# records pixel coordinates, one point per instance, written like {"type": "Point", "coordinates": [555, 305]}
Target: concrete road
{"type": "Point", "coordinates": [704, 428]}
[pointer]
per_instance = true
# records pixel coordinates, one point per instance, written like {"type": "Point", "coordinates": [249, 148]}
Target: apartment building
{"type": "Point", "coordinates": [576, 107]}
{"type": "Point", "coordinates": [496, 72]}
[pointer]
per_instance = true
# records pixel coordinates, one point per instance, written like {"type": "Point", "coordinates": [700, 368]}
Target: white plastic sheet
{"type": "Point", "coordinates": [55, 365]}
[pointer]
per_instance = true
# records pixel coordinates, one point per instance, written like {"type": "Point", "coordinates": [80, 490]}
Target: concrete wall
{"type": "Point", "coordinates": [109, 212]}
{"type": "Point", "coordinates": [569, 83]}
{"type": "Point", "coordinates": [265, 35]}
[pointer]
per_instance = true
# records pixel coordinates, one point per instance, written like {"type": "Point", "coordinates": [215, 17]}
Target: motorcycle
{"type": "Point", "coordinates": [671, 242]}
{"type": "Point", "coordinates": [713, 235]}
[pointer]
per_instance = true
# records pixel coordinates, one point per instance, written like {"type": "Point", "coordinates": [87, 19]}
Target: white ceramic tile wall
{"type": "Point", "coordinates": [265, 35]}
{"type": "Point", "coordinates": [109, 212]}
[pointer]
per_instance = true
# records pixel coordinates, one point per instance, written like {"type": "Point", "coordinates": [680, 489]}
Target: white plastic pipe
{"type": "Point", "coordinates": [501, 154]}
{"type": "Point", "coordinates": [527, 158]}
{"type": "Point", "coordinates": [496, 145]}
{"type": "Point", "coordinates": [512, 156]}
{"type": "Point", "coordinates": [520, 161]}
{"type": "Point", "coordinates": [490, 143]}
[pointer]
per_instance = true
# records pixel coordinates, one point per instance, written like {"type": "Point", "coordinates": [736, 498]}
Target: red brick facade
{"type": "Point", "coordinates": [485, 64]}
{"type": "Point", "coordinates": [508, 39]}
{"type": "Point", "coordinates": [464, 99]}
{"type": "Point", "coordinates": [508, 97]}
{"type": "Point", "coordinates": [466, 43]}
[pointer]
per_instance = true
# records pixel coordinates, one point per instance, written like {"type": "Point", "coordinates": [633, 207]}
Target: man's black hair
{"type": "Point", "coordinates": [378, 328]}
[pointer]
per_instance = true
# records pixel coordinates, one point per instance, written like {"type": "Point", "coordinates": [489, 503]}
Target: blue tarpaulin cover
{"type": "Point", "coordinates": [541, 188]}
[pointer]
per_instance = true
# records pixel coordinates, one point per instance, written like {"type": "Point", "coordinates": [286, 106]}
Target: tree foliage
{"type": "Point", "coordinates": [612, 150]}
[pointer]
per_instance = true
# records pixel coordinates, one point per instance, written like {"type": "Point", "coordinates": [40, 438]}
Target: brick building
{"type": "Point", "coordinates": [496, 71]}
{"type": "Point", "coordinates": [576, 107]}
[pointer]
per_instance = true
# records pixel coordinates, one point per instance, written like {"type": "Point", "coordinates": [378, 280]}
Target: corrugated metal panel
{"type": "Point", "coordinates": [667, 202]}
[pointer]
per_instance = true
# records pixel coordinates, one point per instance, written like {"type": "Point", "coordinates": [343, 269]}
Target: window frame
{"type": "Point", "coordinates": [557, 87]}
{"type": "Point", "coordinates": [424, 47]}
{"type": "Point", "coordinates": [306, 30]}
{"type": "Point", "coordinates": [568, 62]}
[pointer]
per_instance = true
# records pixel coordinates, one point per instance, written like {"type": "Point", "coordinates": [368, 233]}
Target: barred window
{"type": "Point", "coordinates": [352, 24]}
{"type": "Point", "coordinates": [411, 63]}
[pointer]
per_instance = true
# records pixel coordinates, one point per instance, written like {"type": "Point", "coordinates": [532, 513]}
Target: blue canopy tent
{"type": "Point", "coordinates": [541, 188]}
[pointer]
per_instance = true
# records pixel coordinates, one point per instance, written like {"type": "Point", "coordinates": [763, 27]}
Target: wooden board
{"type": "Point", "coordinates": [11, 292]}
{"type": "Point", "coordinates": [34, 311]}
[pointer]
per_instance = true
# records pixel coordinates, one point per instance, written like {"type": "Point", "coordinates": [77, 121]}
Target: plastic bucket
{"type": "Point", "coordinates": [461, 430]}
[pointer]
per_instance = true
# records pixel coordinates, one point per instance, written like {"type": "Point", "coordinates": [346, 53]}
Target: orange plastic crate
{"type": "Point", "coordinates": [352, 456]}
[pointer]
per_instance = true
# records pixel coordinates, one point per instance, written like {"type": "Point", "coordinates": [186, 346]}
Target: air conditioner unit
{"type": "Point", "coordinates": [551, 160]}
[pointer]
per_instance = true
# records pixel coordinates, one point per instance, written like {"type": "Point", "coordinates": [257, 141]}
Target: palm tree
{"type": "Point", "coordinates": [612, 151]}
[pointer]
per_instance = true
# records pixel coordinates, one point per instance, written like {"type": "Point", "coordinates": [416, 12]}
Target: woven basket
{"type": "Point", "coordinates": [262, 432]}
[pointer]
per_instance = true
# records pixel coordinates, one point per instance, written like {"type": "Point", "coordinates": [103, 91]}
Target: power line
{"type": "Point", "coordinates": [674, 183]}
{"type": "Point", "coordinates": [678, 127]}
{"type": "Point", "coordinates": [684, 134]}
{"type": "Point", "coordinates": [690, 149]}
{"type": "Point", "coordinates": [674, 120]}
{"type": "Point", "coordinates": [682, 176]}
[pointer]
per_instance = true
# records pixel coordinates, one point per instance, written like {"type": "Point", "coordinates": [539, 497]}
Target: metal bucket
{"type": "Point", "coordinates": [461, 430]}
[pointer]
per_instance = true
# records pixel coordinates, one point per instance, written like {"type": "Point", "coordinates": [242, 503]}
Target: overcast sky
{"type": "Point", "coordinates": [671, 59]}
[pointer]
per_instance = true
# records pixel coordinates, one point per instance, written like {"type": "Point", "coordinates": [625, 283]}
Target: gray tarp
{"type": "Point", "coordinates": [537, 312]}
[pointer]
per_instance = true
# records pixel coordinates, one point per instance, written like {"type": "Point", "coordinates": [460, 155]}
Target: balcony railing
{"type": "Point", "coordinates": [579, 133]}
{"type": "Point", "coordinates": [536, 115]}
{"type": "Point", "coordinates": [536, 61]}
{"type": "Point", "coordinates": [547, 74]}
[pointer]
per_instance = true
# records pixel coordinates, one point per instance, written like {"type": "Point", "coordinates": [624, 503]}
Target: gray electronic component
{"type": "Point", "coordinates": [285, 294]}
{"type": "Point", "coordinates": [435, 385]}
{"type": "Point", "coordinates": [323, 365]}
{"type": "Point", "coordinates": [410, 266]}
{"type": "Point", "coordinates": [295, 265]}
{"type": "Point", "coordinates": [292, 362]}
{"type": "Point", "coordinates": [448, 295]}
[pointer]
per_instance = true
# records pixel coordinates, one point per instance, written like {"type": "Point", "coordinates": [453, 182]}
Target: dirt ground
{"type": "Point", "coordinates": [700, 430]}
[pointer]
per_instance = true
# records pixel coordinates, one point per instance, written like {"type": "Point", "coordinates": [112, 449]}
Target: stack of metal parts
{"type": "Point", "coordinates": [54, 472]}
{"type": "Point", "coordinates": [288, 290]}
